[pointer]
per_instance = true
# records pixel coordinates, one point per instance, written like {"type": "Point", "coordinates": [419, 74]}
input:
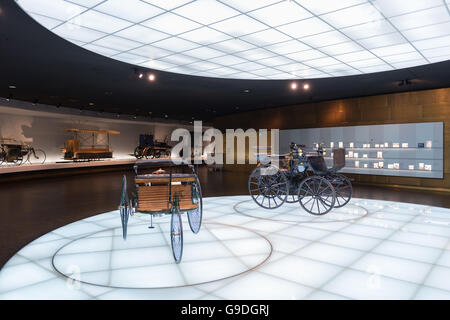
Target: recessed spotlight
{"type": "Point", "coordinates": [294, 86]}
{"type": "Point", "coordinates": [306, 86]}
{"type": "Point", "coordinates": [151, 77]}
{"type": "Point", "coordinates": [91, 104]}
{"type": "Point", "coordinates": [246, 90]}
{"type": "Point", "coordinates": [141, 75]}
{"type": "Point", "coordinates": [12, 87]}
{"type": "Point", "coordinates": [166, 116]}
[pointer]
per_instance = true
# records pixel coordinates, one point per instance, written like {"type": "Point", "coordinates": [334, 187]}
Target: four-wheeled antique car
{"type": "Point", "coordinates": [150, 148]}
{"type": "Point", "coordinates": [15, 152]}
{"type": "Point", "coordinates": [88, 144]}
{"type": "Point", "coordinates": [169, 190]}
{"type": "Point", "coordinates": [300, 177]}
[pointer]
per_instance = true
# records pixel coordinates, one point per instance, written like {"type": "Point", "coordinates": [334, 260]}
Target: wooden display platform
{"type": "Point", "coordinates": [6, 169]}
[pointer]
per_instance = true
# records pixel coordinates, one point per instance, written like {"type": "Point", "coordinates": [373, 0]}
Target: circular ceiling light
{"type": "Point", "coordinates": [151, 77]}
{"type": "Point", "coordinates": [294, 86]}
{"type": "Point", "coordinates": [306, 86]}
{"type": "Point", "coordinates": [268, 39]}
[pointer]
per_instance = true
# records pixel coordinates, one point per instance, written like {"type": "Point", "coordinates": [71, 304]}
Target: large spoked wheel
{"type": "Point", "coordinates": [176, 235]}
{"type": "Point", "coordinates": [138, 152]}
{"type": "Point", "coordinates": [124, 208]}
{"type": "Point", "coordinates": [195, 216]}
{"type": "Point", "coordinates": [316, 195]}
{"type": "Point", "coordinates": [36, 156]}
{"type": "Point", "coordinates": [342, 187]}
{"type": "Point", "coordinates": [268, 187]}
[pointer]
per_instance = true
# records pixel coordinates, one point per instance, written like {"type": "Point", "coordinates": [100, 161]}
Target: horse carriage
{"type": "Point", "coordinates": [173, 191]}
{"type": "Point", "coordinates": [12, 151]}
{"type": "Point", "coordinates": [301, 177]}
{"type": "Point", "coordinates": [88, 144]}
{"type": "Point", "coordinates": [150, 148]}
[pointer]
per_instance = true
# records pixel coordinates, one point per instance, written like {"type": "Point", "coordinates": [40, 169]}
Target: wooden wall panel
{"type": "Point", "coordinates": [407, 107]}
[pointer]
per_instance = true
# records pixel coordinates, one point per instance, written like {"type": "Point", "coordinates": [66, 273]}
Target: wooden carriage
{"type": "Point", "coordinates": [88, 144]}
{"type": "Point", "coordinates": [173, 190]}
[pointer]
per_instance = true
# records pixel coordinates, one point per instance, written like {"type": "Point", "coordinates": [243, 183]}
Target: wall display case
{"type": "Point", "coordinates": [409, 149]}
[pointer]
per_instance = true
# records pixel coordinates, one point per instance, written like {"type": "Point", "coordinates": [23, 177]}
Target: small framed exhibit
{"type": "Point", "coordinates": [407, 149]}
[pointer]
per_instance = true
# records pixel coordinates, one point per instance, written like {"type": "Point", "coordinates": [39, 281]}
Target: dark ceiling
{"type": "Point", "coordinates": [50, 70]}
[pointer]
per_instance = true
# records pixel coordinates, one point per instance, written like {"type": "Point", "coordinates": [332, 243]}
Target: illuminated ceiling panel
{"type": "Point", "coordinates": [254, 39]}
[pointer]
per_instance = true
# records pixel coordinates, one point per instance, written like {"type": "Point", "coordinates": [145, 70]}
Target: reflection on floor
{"type": "Point", "coordinates": [369, 249]}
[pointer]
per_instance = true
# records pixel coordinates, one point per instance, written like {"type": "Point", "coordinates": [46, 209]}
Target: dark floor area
{"type": "Point", "coordinates": [32, 208]}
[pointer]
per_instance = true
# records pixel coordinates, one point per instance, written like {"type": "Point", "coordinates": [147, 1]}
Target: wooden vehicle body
{"type": "Point", "coordinates": [150, 148]}
{"type": "Point", "coordinates": [301, 177]}
{"type": "Point", "coordinates": [85, 145]}
{"type": "Point", "coordinates": [173, 191]}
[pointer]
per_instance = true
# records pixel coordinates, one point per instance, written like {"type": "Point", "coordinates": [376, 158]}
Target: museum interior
{"type": "Point", "coordinates": [225, 149]}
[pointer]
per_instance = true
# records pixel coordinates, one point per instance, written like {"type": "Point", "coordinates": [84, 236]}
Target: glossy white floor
{"type": "Point", "coordinates": [368, 250]}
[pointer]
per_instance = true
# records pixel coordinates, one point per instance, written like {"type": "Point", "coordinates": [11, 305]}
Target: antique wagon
{"type": "Point", "coordinates": [12, 151]}
{"type": "Point", "coordinates": [301, 177]}
{"type": "Point", "coordinates": [173, 191]}
{"type": "Point", "coordinates": [150, 148]}
{"type": "Point", "coordinates": [88, 144]}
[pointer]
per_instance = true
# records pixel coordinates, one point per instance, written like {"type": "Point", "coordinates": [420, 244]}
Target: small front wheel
{"type": "Point", "coordinates": [268, 187]}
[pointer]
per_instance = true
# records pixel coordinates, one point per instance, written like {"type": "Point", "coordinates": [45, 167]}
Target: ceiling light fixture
{"type": "Point", "coordinates": [306, 86]}
{"type": "Point", "coordinates": [141, 75]}
{"type": "Point", "coordinates": [294, 86]}
{"type": "Point", "coordinates": [12, 87]}
{"type": "Point", "coordinates": [151, 77]}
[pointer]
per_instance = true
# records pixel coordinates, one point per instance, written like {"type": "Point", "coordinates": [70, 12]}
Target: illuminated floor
{"type": "Point", "coordinates": [368, 250]}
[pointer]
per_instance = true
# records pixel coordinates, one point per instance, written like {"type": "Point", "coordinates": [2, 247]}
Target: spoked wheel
{"type": "Point", "coordinates": [176, 235]}
{"type": "Point", "coordinates": [157, 154]}
{"type": "Point", "coordinates": [148, 153]}
{"type": "Point", "coordinates": [138, 152]}
{"type": "Point", "coordinates": [168, 153]}
{"type": "Point", "coordinates": [268, 187]}
{"type": "Point", "coordinates": [195, 216]}
{"type": "Point", "coordinates": [124, 208]}
{"type": "Point", "coordinates": [36, 156]}
{"type": "Point", "coordinates": [342, 187]}
{"type": "Point", "coordinates": [316, 195]}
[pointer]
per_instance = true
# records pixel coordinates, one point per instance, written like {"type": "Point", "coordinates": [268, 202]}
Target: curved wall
{"type": "Point", "coordinates": [407, 107]}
